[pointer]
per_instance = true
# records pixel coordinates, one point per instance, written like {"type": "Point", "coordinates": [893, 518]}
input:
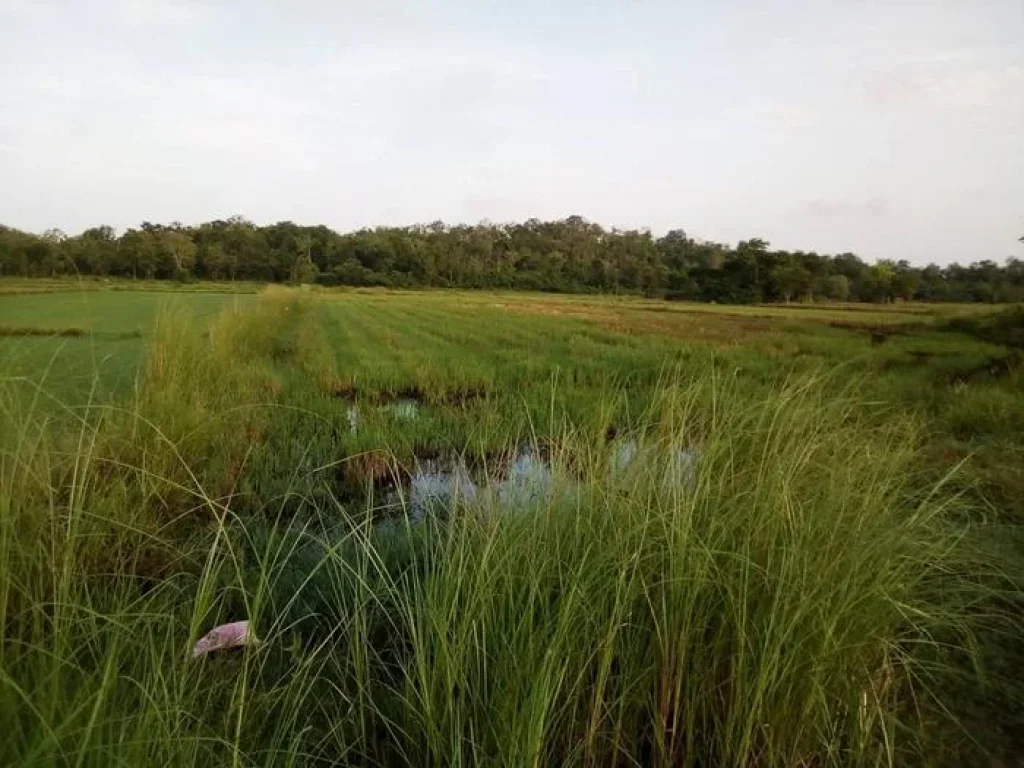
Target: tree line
{"type": "Point", "coordinates": [568, 255]}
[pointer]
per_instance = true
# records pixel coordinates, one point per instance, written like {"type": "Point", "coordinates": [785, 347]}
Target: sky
{"type": "Point", "coordinates": [890, 128]}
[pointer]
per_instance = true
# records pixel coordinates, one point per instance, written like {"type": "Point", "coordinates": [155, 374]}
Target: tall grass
{"type": "Point", "coordinates": [758, 613]}
{"type": "Point", "coordinates": [773, 602]}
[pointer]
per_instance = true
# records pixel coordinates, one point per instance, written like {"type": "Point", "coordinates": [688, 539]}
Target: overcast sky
{"type": "Point", "coordinates": [891, 128]}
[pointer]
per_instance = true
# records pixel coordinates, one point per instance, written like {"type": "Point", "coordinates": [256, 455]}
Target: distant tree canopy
{"type": "Point", "coordinates": [571, 255]}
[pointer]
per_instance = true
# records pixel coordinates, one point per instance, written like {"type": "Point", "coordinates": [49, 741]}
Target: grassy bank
{"type": "Point", "coordinates": [829, 578]}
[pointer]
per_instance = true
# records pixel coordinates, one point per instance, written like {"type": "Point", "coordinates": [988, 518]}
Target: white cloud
{"type": "Point", "coordinates": [858, 126]}
{"type": "Point", "coordinates": [147, 13]}
{"type": "Point", "coordinates": [859, 209]}
{"type": "Point", "coordinates": [939, 86]}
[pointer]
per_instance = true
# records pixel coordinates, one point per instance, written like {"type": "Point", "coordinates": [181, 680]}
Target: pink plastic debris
{"type": "Point", "coordinates": [233, 635]}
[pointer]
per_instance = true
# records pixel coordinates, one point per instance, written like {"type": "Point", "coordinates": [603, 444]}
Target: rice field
{"type": "Point", "coordinates": [506, 529]}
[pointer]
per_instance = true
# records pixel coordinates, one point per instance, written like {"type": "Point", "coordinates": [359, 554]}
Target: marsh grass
{"type": "Point", "coordinates": [794, 597]}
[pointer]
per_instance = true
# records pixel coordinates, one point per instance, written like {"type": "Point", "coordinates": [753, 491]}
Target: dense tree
{"type": "Point", "coordinates": [790, 279]}
{"type": "Point", "coordinates": [837, 287]}
{"type": "Point", "coordinates": [182, 251]}
{"type": "Point", "coordinates": [571, 254]}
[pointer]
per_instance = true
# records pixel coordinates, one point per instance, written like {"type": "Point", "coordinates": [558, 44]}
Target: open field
{"type": "Point", "coordinates": [507, 528]}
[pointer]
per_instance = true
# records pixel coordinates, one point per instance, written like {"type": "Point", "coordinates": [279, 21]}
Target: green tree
{"type": "Point", "coordinates": [838, 287]}
{"type": "Point", "coordinates": [571, 254]}
{"type": "Point", "coordinates": [219, 263]}
{"type": "Point", "coordinates": [876, 284]}
{"type": "Point", "coordinates": [139, 251]}
{"type": "Point", "coordinates": [789, 279]}
{"type": "Point", "coordinates": [182, 251]}
{"type": "Point", "coordinates": [96, 251]}
{"type": "Point", "coordinates": [303, 268]}
{"type": "Point", "coordinates": [904, 281]}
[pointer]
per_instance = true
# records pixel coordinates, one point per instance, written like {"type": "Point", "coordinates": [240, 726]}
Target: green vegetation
{"type": "Point", "coordinates": [760, 535]}
{"type": "Point", "coordinates": [86, 343]}
{"type": "Point", "coordinates": [571, 255]}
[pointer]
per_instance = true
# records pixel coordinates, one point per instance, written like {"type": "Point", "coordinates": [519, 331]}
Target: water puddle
{"type": "Point", "coordinates": [434, 484]}
{"type": "Point", "coordinates": [527, 480]}
{"type": "Point", "coordinates": [405, 409]}
{"type": "Point", "coordinates": [444, 484]}
{"type": "Point", "coordinates": [628, 454]}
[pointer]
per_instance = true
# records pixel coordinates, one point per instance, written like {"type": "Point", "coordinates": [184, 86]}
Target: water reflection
{"type": "Point", "coordinates": [406, 410]}
{"type": "Point", "coordinates": [403, 410]}
{"type": "Point", "coordinates": [628, 454]}
{"type": "Point", "coordinates": [434, 484]}
{"type": "Point", "coordinates": [529, 479]}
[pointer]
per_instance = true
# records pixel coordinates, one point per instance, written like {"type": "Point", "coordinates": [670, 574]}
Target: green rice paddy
{"type": "Point", "coordinates": [833, 580]}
